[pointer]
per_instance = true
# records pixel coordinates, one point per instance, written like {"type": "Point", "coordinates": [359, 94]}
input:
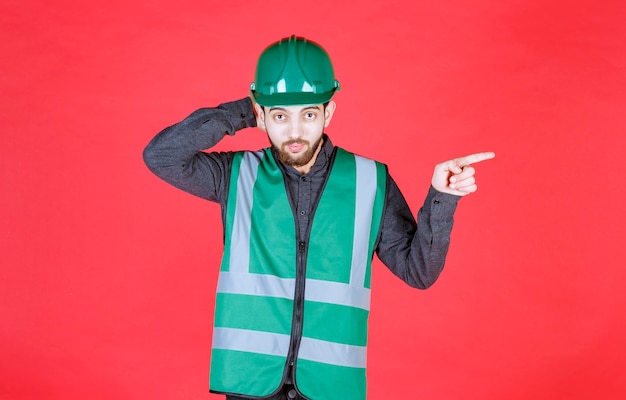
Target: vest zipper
{"type": "Point", "coordinates": [298, 309]}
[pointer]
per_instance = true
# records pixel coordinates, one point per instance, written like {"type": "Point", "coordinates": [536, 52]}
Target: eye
{"type": "Point", "coordinates": [279, 117]}
{"type": "Point", "coordinates": [309, 115]}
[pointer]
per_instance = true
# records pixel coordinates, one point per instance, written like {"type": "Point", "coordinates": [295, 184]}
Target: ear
{"type": "Point", "coordinates": [329, 112]}
{"type": "Point", "coordinates": [260, 117]}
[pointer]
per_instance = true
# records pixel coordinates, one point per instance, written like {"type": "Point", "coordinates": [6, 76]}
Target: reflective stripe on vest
{"type": "Point", "coordinates": [256, 285]}
{"type": "Point", "coordinates": [278, 344]}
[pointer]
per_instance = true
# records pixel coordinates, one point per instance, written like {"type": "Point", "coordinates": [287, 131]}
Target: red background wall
{"type": "Point", "coordinates": [107, 274]}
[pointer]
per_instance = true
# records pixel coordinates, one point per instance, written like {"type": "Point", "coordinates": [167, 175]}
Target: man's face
{"type": "Point", "coordinates": [296, 131]}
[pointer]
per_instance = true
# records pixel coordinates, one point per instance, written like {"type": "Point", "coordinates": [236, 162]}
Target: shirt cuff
{"type": "Point", "coordinates": [240, 113]}
{"type": "Point", "coordinates": [440, 204]}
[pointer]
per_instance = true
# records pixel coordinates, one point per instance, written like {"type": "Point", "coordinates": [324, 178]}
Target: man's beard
{"type": "Point", "coordinates": [298, 160]}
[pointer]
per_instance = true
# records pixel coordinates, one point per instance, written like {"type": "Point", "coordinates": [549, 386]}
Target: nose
{"type": "Point", "coordinates": [295, 130]}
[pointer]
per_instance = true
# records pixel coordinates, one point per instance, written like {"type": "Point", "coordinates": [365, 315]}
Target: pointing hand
{"type": "Point", "coordinates": [457, 176]}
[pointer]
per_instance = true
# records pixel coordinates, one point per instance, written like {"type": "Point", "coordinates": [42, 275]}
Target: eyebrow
{"type": "Point", "coordinates": [311, 108]}
{"type": "Point", "coordinates": [304, 109]}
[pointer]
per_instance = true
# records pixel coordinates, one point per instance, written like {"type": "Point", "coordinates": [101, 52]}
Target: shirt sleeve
{"type": "Point", "coordinates": [416, 252]}
{"type": "Point", "coordinates": [175, 154]}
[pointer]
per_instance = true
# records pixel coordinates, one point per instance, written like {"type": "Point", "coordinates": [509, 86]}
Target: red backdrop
{"type": "Point", "coordinates": [107, 274]}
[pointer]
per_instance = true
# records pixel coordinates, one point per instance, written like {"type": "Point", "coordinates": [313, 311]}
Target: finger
{"type": "Point", "coordinates": [466, 190]}
{"type": "Point", "coordinates": [463, 183]}
{"type": "Point", "coordinates": [451, 166]}
{"type": "Point", "coordinates": [465, 173]}
{"type": "Point", "coordinates": [474, 158]}
{"type": "Point", "coordinates": [469, 189]}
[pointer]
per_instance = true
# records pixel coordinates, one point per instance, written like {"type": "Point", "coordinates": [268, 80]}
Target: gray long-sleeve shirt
{"type": "Point", "coordinates": [415, 252]}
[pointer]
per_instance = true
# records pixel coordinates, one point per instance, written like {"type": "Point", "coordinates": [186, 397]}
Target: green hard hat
{"type": "Point", "coordinates": [294, 71]}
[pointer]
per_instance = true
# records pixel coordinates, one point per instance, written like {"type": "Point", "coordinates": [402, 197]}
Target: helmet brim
{"type": "Point", "coordinates": [292, 99]}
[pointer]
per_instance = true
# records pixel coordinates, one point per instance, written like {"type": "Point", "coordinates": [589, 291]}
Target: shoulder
{"type": "Point", "coordinates": [344, 153]}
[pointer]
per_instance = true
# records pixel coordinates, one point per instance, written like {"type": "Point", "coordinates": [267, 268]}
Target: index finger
{"type": "Point", "coordinates": [474, 158]}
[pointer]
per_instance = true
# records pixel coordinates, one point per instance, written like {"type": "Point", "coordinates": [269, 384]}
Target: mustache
{"type": "Point", "coordinates": [295, 141]}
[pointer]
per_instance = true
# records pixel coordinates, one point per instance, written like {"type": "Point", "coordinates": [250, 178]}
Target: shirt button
{"type": "Point", "coordinates": [436, 202]}
{"type": "Point", "coordinates": [292, 394]}
{"type": "Point", "coordinates": [302, 212]}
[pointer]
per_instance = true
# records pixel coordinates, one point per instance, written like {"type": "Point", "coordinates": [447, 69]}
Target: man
{"type": "Point", "coordinates": [302, 220]}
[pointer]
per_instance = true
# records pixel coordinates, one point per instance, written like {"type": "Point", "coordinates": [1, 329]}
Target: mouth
{"type": "Point", "coordinates": [296, 146]}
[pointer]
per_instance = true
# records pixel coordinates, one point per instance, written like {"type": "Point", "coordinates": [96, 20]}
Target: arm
{"type": "Point", "coordinates": [175, 154]}
{"type": "Point", "coordinates": [416, 253]}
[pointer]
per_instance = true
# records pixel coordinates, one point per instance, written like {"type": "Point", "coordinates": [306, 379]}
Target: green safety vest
{"type": "Point", "coordinates": [255, 292]}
